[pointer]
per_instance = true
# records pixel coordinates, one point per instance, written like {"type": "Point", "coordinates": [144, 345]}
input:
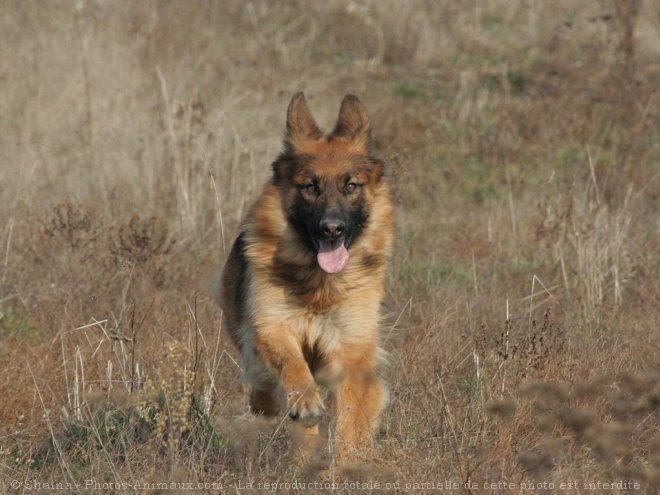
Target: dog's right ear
{"type": "Point", "coordinates": [300, 125]}
{"type": "Point", "coordinates": [353, 121]}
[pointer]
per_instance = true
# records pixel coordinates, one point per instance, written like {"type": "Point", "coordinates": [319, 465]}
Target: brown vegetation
{"type": "Point", "coordinates": [522, 323]}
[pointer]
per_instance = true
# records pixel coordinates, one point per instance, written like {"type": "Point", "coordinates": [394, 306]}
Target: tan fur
{"type": "Point", "coordinates": [323, 330]}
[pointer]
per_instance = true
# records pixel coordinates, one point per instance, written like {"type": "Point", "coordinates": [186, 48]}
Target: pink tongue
{"type": "Point", "coordinates": [332, 256]}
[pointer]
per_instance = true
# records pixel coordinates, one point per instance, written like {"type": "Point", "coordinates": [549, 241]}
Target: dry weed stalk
{"type": "Point", "coordinates": [593, 246]}
{"type": "Point", "coordinates": [520, 353]}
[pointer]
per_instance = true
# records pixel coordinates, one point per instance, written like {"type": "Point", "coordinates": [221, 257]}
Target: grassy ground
{"type": "Point", "coordinates": [523, 143]}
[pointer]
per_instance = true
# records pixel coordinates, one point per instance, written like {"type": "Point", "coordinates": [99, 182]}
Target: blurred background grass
{"type": "Point", "coordinates": [523, 144]}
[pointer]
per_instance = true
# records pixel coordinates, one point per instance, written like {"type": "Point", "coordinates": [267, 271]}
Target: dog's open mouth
{"type": "Point", "coordinates": [333, 255]}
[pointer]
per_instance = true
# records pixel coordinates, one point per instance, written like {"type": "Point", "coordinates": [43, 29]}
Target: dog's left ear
{"type": "Point", "coordinates": [301, 127]}
{"type": "Point", "coordinates": [353, 121]}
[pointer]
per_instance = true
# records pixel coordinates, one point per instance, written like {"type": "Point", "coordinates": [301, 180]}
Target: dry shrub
{"type": "Point", "coordinates": [608, 432]}
{"type": "Point", "coordinates": [70, 230]}
{"type": "Point", "coordinates": [521, 350]}
{"type": "Point", "coordinates": [74, 225]}
{"type": "Point", "coordinates": [143, 244]}
{"type": "Point", "coordinates": [170, 398]}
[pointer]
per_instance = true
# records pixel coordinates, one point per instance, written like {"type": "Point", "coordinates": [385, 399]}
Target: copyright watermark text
{"type": "Point", "coordinates": [35, 485]}
{"type": "Point", "coordinates": [446, 485]}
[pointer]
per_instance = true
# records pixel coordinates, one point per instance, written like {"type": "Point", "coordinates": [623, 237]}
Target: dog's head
{"type": "Point", "coordinates": [327, 181]}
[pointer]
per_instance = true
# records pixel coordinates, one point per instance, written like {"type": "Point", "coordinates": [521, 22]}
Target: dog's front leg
{"type": "Point", "coordinates": [281, 351]}
{"type": "Point", "coordinates": [358, 401]}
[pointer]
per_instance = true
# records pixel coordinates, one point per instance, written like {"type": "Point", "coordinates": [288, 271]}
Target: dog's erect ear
{"type": "Point", "coordinates": [300, 125]}
{"type": "Point", "coordinates": [353, 121]}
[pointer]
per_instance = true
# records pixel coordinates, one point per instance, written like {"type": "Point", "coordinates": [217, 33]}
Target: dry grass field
{"type": "Point", "coordinates": [522, 319]}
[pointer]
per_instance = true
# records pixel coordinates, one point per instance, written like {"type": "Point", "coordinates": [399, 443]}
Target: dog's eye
{"type": "Point", "coordinates": [351, 187]}
{"type": "Point", "coordinates": [311, 188]}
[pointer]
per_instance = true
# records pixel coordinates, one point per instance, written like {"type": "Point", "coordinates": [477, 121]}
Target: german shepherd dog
{"type": "Point", "coordinates": [302, 287]}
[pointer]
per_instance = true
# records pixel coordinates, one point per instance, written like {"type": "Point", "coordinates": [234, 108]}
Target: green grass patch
{"type": "Point", "coordinates": [111, 430]}
{"type": "Point", "coordinates": [515, 80]}
{"type": "Point", "coordinates": [477, 181]}
{"type": "Point", "coordinates": [489, 21]}
{"type": "Point", "coordinates": [407, 90]}
{"type": "Point", "coordinates": [15, 323]}
{"type": "Point", "coordinates": [467, 384]}
{"type": "Point", "coordinates": [439, 271]}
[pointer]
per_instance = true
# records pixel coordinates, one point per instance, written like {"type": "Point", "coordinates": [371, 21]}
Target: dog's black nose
{"type": "Point", "coordinates": [332, 227]}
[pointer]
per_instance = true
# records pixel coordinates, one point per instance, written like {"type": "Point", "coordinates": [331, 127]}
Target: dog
{"type": "Point", "coordinates": [302, 287]}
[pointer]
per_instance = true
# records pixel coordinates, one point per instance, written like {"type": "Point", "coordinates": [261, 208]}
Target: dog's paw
{"type": "Point", "coordinates": [305, 405]}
